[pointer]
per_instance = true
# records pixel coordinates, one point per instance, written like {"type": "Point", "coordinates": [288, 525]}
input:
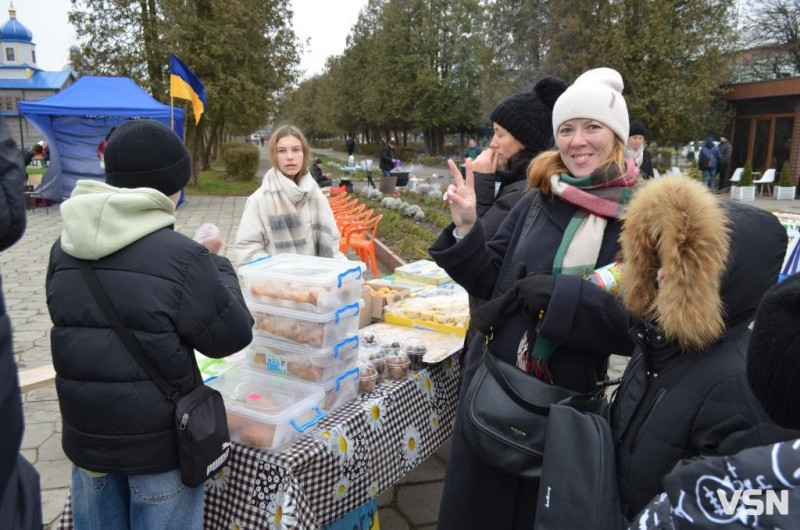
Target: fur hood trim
{"type": "Point", "coordinates": [676, 224]}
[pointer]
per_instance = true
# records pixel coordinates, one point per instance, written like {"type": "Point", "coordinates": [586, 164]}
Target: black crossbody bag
{"type": "Point", "coordinates": [505, 410]}
{"type": "Point", "coordinates": [201, 425]}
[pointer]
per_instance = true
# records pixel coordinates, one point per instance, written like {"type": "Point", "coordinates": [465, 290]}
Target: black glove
{"type": "Point", "coordinates": [530, 294]}
{"type": "Point", "coordinates": [534, 292]}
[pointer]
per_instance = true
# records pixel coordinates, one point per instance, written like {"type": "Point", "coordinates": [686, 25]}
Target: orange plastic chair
{"type": "Point", "coordinates": [361, 238]}
{"type": "Point", "coordinates": [336, 200]}
{"type": "Point", "coordinates": [345, 221]}
{"type": "Point", "coordinates": [347, 206]}
{"type": "Point", "coordinates": [338, 214]}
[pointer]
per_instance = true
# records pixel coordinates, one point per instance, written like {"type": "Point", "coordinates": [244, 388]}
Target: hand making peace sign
{"type": "Point", "coordinates": [461, 197]}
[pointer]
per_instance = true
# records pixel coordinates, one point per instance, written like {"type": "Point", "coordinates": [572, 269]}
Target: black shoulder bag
{"type": "Point", "coordinates": [201, 425]}
{"type": "Point", "coordinates": [505, 410]}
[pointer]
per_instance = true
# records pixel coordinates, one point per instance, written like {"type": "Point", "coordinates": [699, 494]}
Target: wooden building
{"type": "Point", "coordinates": [766, 126]}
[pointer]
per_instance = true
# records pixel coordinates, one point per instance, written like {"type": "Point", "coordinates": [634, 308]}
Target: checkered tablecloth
{"type": "Point", "coordinates": [357, 452]}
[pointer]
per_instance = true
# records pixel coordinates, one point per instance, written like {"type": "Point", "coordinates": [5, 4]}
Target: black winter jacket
{"type": "Point", "coordinates": [492, 209]}
{"type": "Point", "coordinates": [646, 169]}
{"type": "Point", "coordinates": [12, 226]}
{"type": "Point", "coordinates": [679, 402]}
{"type": "Point", "coordinates": [585, 323]}
{"type": "Point", "coordinates": [175, 298]}
{"type": "Point", "coordinates": [691, 500]}
{"type": "Point", "coordinates": [387, 154]}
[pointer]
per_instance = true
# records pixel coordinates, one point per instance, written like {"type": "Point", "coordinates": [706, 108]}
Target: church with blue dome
{"type": "Point", "coordinates": [22, 80]}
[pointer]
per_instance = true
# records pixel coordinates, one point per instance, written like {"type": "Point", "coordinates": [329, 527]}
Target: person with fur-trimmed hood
{"type": "Point", "coordinates": [768, 459]}
{"type": "Point", "coordinates": [694, 270]}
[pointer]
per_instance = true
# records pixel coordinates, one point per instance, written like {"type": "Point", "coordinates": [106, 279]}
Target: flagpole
{"type": "Point", "coordinates": [171, 113]}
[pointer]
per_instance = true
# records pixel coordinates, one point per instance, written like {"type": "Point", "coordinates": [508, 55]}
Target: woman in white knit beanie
{"type": "Point", "coordinates": [541, 315]}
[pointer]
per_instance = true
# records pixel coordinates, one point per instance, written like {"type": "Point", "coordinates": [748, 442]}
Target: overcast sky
{"type": "Point", "coordinates": [325, 22]}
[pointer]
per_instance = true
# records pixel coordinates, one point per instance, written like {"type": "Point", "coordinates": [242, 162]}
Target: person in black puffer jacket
{"type": "Point", "coordinates": [174, 296]}
{"type": "Point", "coordinates": [20, 500]}
{"type": "Point", "coordinates": [694, 270]}
{"type": "Point", "coordinates": [767, 457]}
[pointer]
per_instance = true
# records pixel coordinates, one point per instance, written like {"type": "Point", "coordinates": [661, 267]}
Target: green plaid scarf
{"type": "Point", "coordinates": [598, 197]}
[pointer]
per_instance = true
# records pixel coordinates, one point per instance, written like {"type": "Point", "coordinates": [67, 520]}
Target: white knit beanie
{"type": "Point", "coordinates": [595, 95]}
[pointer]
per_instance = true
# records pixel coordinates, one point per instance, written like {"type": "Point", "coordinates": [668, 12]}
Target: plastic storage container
{"type": "Point", "coordinates": [340, 390]}
{"type": "Point", "coordinates": [266, 411]}
{"type": "Point", "coordinates": [316, 330]}
{"type": "Point", "coordinates": [305, 283]}
{"type": "Point", "coordinates": [317, 365]}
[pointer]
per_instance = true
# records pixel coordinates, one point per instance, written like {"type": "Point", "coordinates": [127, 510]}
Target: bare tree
{"type": "Point", "coordinates": [771, 30]}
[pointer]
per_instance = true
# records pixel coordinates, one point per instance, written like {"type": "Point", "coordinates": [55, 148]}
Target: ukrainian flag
{"type": "Point", "coordinates": [183, 84]}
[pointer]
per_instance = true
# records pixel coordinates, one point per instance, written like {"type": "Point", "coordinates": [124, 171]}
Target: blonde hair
{"type": "Point", "coordinates": [549, 163]}
{"type": "Point", "coordinates": [282, 132]}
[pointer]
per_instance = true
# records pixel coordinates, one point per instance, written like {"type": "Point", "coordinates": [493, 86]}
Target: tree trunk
{"type": "Point", "coordinates": [150, 36]}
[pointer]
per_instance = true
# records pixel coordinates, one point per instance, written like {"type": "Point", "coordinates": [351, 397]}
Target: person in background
{"type": "Point", "coordinates": [523, 127]}
{"type": "Point", "coordinates": [323, 179]}
{"type": "Point", "coordinates": [29, 154]}
{"type": "Point", "coordinates": [174, 296]}
{"type": "Point", "coordinates": [535, 288]}
{"type": "Point", "coordinates": [45, 154]}
{"type": "Point", "coordinates": [388, 157]}
{"type": "Point", "coordinates": [351, 146]}
{"type": "Point", "coordinates": [725, 150]}
{"type": "Point", "coordinates": [473, 150]}
{"type": "Point", "coordinates": [101, 148]}
{"type": "Point", "coordinates": [288, 213]}
{"type": "Point", "coordinates": [694, 268]}
{"type": "Point", "coordinates": [20, 501]}
{"type": "Point", "coordinates": [638, 151]}
{"type": "Point", "coordinates": [707, 162]}
{"type": "Point", "coordinates": [767, 457]}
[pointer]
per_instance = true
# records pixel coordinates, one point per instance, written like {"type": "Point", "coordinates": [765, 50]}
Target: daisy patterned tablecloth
{"type": "Point", "coordinates": [357, 452]}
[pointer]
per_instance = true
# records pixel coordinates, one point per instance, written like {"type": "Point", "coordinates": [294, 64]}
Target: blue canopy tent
{"type": "Point", "coordinates": [76, 120]}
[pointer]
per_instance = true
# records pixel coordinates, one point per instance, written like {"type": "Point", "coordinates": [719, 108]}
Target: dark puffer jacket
{"type": "Point", "coordinates": [690, 501]}
{"type": "Point", "coordinates": [685, 390]}
{"type": "Point", "coordinates": [12, 226]}
{"type": "Point", "coordinates": [171, 294]}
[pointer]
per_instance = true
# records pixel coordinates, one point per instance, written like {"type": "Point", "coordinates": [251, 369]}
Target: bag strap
{"type": "Point", "coordinates": [533, 213]}
{"type": "Point", "coordinates": [127, 338]}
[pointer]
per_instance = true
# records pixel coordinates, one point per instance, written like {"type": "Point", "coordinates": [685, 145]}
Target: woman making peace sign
{"type": "Point", "coordinates": [544, 317]}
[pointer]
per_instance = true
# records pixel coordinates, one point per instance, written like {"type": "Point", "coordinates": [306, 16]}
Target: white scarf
{"type": "Point", "coordinates": [637, 155]}
{"type": "Point", "coordinates": [285, 203]}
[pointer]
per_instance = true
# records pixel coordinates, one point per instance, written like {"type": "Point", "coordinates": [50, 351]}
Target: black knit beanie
{"type": "Point", "coordinates": [147, 154]}
{"type": "Point", "coordinates": [528, 116]}
{"type": "Point", "coordinates": [637, 127]}
{"type": "Point", "coordinates": [773, 357]}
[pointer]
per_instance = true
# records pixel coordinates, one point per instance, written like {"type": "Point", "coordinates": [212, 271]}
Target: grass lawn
{"type": "Point", "coordinates": [215, 182]}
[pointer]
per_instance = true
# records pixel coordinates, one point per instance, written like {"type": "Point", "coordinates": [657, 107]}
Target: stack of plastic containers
{"type": "Point", "coordinates": [305, 345]}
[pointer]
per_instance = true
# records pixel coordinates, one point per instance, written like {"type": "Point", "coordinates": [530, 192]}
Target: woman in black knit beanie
{"type": "Point", "coordinates": [522, 129]}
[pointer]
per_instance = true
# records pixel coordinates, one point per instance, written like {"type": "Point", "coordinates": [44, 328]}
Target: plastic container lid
{"type": "Point", "coordinates": [341, 348]}
{"type": "Point", "coordinates": [294, 398]}
{"type": "Point", "coordinates": [309, 270]}
{"type": "Point", "coordinates": [349, 310]}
